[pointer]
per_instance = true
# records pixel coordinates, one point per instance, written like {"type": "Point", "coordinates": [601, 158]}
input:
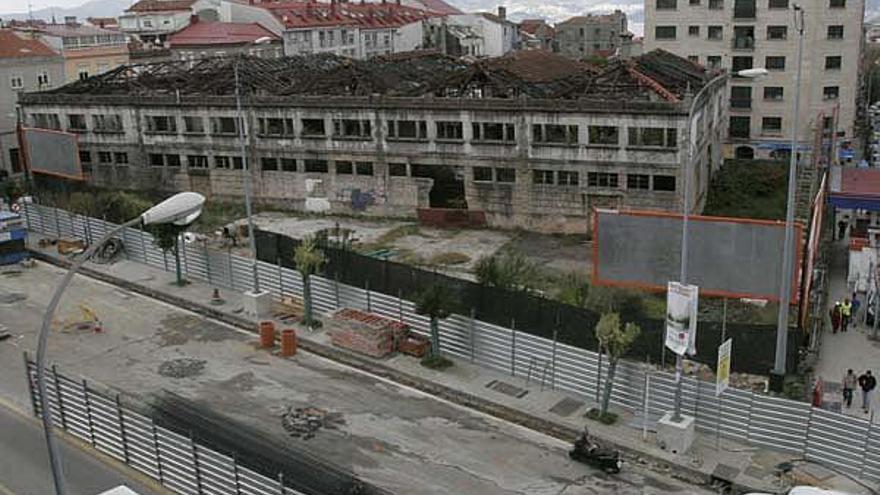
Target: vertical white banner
{"type": "Point", "coordinates": [722, 372]}
{"type": "Point", "coordinates": [681, 318]}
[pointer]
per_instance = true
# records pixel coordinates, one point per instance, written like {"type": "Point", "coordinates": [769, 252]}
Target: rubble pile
{"type": "Point", "coordinates": [303, 422]}
{"type": "Point", "coordinates": [182, 367]}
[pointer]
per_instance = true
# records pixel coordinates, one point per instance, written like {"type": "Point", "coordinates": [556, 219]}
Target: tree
{"type": "Point", "coordinates": [166, 237]}
{"type": "Point", "coordinates": [436, 302]}
{"type": "Point", "coordinates": [511, 271]}
{"type": "Point", "coordinates": [613, 341]}
{"type": "Point", "coordinates": [308, 259]}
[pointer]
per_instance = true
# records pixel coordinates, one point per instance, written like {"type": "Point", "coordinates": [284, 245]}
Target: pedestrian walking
{"type": "Point", "coordinates": [835, 317]}
{"type": "Point", "coordinates": [845, 314]}
{"type": "Point", "coordinates": [867, 383]}
{"type": "Point", "coordinates": [849, 385]}
{"type": "Point", "coordinates": [841, 229]}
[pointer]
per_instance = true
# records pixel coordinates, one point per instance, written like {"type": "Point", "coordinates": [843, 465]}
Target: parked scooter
{"type": "Point", "coordinates": [588, 451]}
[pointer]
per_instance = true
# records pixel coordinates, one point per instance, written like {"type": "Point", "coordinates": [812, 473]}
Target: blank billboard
{"type": "Point", "coordinates": [52, 152]}
{"type": "Point", "coordinates": [729, 257]}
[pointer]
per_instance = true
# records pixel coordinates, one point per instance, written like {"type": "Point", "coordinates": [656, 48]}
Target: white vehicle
{"type": "Point", "coordinates": [807, 490]}
{"type": "Point", "coordinates": [120, 490]}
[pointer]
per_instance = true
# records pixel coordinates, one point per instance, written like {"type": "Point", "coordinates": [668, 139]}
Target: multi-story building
{"type": "Point", "coordinates": [26, 64]}
{"type": "Point", "coordinates": [152, 21]}
{"type": "Point", "coordinates": [87, 50]}
{"type": "Point", "coordinates": [481, 34]}
{"type": "Point", "coordinates": [592, 34]}
{"type": "Point", "coordinates": [203, 39]}
{"type": "Point", "coordinates": [742, 34]}
{"type": "Point", "coordinates": [536, 33]}
{"type": "Point", "coordinates": [532, 140]}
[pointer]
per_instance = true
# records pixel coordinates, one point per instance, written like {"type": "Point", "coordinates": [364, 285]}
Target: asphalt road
{"type": "Point", "coordinates": [24, 465]}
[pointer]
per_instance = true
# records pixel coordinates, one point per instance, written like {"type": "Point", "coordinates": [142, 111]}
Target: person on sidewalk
{"type": "Point", "coordinates": [849, 385]}
{"type": "Point", "coordinates": [835, 317]}
{"type": "Point", "coordinates": [845, 314]}
{"type": "Point", "coordinates": [841, 229]}
{"type": "Point", "coordinates": [867, 382]}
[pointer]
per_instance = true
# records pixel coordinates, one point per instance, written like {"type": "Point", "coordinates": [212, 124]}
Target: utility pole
{"type": "Point", "coordinates": [247, 177]}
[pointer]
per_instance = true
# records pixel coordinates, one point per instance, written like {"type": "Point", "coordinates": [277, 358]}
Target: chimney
{"type": "Point", "coordinates": [70, 20]}
{"type": "Point", "coordinates": [502, 12]}
{"type": "Point", "coordinates": [193, 19]}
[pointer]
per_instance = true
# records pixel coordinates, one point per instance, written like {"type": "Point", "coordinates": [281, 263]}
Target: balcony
{"type": "Point", "coordinates": [744, 43]}
{"type": "Point", "coordinates": [741, 103]}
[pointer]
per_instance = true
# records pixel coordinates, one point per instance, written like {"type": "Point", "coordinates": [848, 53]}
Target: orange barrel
{"type": "Point", "coordinates": [267, 334]}
{"type": "Point", "coordinates": [288, 342]}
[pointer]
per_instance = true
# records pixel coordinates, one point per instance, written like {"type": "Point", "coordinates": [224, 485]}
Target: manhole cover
{"type": "Point", "coordinates": [566, 407]}
{"type": "Point", "coordinates": [12, 297]}
{"type": "Point", "coordinates": [507, 389]}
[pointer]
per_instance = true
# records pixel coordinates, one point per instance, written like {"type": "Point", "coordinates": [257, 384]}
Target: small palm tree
{"type": "Point", "coordinates": [436, 302]}
{"type": "Point", "coordinates": [309, 260]}
{"type": "Point", "coordinates": [614, 341]}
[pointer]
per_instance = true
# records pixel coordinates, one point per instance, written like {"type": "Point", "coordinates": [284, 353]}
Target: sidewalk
{"type": "Point", "coordinates": [748, 468]}
{"type": "Point", "coordinates": [850, 350]}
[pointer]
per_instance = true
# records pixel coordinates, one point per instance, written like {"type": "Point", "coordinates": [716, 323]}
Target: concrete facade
{"type": "Point", "coordinates": [475, 35]}
{"type": "Point", "coordinates": [739, 34]}
{"type": "Point", "coordinates": [588, 35]}
{"type": "Point", "coordinates": [383, 156]}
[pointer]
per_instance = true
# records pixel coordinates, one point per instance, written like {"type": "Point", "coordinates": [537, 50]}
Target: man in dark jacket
{"type": "Point", "coordinates": [867, 383]}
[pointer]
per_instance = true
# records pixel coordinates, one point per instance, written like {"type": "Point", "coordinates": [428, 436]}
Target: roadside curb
{"type": "Point", "coordinates": [661, 465]}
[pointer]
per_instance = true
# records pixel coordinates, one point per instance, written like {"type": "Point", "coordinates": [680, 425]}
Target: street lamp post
{"type": "Point", "coordinates": [720, 79]}
{"type": "Point", "coordinates": [180, 209]}
{"type": "Point", "coordinates": [788, 248]}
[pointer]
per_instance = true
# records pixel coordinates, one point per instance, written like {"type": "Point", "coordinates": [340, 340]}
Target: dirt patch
{"type": "Point", "coordinates": [182, 367]}
{"type": "Point", "coordinates": [179, 329]}
{"type": "Point", "coordinates": [304, 422]}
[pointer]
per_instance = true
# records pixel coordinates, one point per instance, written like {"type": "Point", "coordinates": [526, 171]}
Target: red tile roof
{"type": "Point", "coordinates": [863, 182]}
{"type": "Point", "coordinates": [440, 7]}
{"type": "Point", "coordinates": [538, 65]}
{"type": "Point", "coordinates": [365, 16]}
{"type": "Point", "coordinates": [13, 46]}
{"type": "Point", "coordinates": [160, 5]}
{"type": "Point", "coordinates": [219, 33]}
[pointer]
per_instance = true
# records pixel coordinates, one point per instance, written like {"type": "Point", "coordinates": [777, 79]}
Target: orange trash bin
{"type": "Point", "coordinates": [288, 342]}
{"type": "Point", "coordinates": [267, 334]}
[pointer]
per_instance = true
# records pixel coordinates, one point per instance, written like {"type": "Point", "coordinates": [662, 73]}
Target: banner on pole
{"type": "Point", "coordinates": [681, 318]}
{"type": "Point", "coordinates": [722, 373]}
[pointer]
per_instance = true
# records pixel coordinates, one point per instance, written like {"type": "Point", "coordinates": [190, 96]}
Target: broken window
{"type": "Point", "coordinates": [318, 166]}
{"type": "Point", "coordinates": [224, 125]}
{"type": "Point", "coordinates": [773, 92]}
{"type": "Point", "coordinates": [222, 162]}
{"type": "Point", "coordinates": [715, 33]}
{"type": "Point", "coordinates": [833, 62]}
{"type": "Point", "coordinates": [542, 176]}
{"type": "Point", "coordinates": [603, 134]}
{"type": "Point", "coordinates": [364, 168]}
{"type": "Point", "coordinates": [85, 157]}
{"type": "Point", "coordinates": [172, 160]}
{"type": "Point", "coordinates": [664, 183]}
{"type": "Point", "coordinates": [197, 161]}
{"type": "Point", "coordinates": [407, 129]}
{"type": "Point", "coordinates": [156, 160]}
{"type": "Point", "coordinates": [774, 63]}
{"type": "Point", "coordinates": [288, 164]}
{"type": "Point", "coordinates": [351, 129]}
{"type": "Point", "coordinates": [162, 124]}
{"type": "Point", "coordinates": [76, 122]}
{"type": "Point", "coordinates": [491, 131]}
{"type": "Point", "coordinates": [653, 137]}
{"type": "Point", "coordinates": [107, 123]}
{"type": "Point", "coordinates": [313, 127]}
{"type": "Point", "coordinates": [268, 163]}
{"type": "Point", "coordinates": [46, 120]}
{"type": "Point", "coordinates": [555, 133]}
{"type": "Point", "coordinates": [449, 130]}
{"type": "Point", "coordinates": [505, 175]}
{"type": "Point", "coordinates": [105, 157]}
{"type": "Point", "coordinates": [193, 125]}
{"type": "Point", "coordinates": [344, 168]}
{"type": "Point", "coordinates": [739, 126]}
{"type": "Point", "coordinates": [275, 127]}
{"type": "Point", "coordinates": [831, 92]}
{"type": "Point", "coordinates": [638, 181]}
{"type": "Point", "coordinates": [482, 174]}
{"type": "Point", "coordinates": [566, 178]}
{"type": "Point", "coordinates": [602, 179]}
{"type": "Point", "coordinates": [120, 157]}
{"type": "Point", "coordinates": [835, 32]}
{"type": "Point", "coordinates": [399, 169]}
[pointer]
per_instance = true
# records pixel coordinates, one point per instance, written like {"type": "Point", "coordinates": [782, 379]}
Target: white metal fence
{"type": "Point", "coordinates": [844, 442]}
{"type": "Point", "coordinates": [177, 462]}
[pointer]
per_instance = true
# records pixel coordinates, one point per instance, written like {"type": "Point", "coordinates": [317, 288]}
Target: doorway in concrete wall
{"type": "Point", "coordinates": [448, 188]}
{"type": "Point", "coordinates": [745, 153]}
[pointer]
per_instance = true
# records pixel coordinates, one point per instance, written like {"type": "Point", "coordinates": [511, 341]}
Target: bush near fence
{"type": "Point", "coordinates": [844, 442]}
{"type": "Point", "coordinates": [754, 352]}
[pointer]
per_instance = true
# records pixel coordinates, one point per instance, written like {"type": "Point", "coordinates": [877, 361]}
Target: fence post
{"type": "Point", "coordinates": [197, 468]}
{"type": "Point", "coordinates": [143, 236]}
{"type": "Point", "coordinates": [235, 474]}
{"type": "Point", "coordinates": [88, 229]}
{"type": "Point", "coordinates": [336, 289]}
{"type": "Point", "coordinates": [473, 333]}
{"type": "Point", "coordinates": [513, 347]}
{"type": "Point", "coordinates": [367, 289]}
{"type": "Point", "coordinates": [27, 370]}
{"type": "Point", "coordinates": [400, 305]}
{"type": "Point", "coordinates": [57, 223]}
{"type": "Point", "coordinates": [158, 453]}
{"type": "Point", "coordinates": [280, 276]}
{"type": "Point", "coordinates": [185, 260]}
{"type": "Point", "coordinates": [58, 397]}
{"type": "Point", "coordinates": [208, 264]}
{"type": "Point", "coordinates": [697, 397]}
{"type": "Point", "coordinates": [281, 483]}
{"type": "Point", "coordinates": [122, 433]}
{"type": "Point", "coordinates": [85, 389]}
{"type": "Point", "coordinates": [865, 445]}
{"type": "Point", "coordinates": [165, 259]}
{"type": "Point", "coordinates": [553, 361]}
{"type": "Point", "coordinates": [231, 270]}
{"type": "Point", "coordinates": [599, 375]}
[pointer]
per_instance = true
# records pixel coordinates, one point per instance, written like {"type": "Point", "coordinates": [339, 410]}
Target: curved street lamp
{"type": "Point", "coordinates": [180, 209]}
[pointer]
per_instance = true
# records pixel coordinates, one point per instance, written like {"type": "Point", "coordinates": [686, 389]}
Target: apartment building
{"type": "Point", "coordinates": [742, 34]}
{"type": "Point", "coordinates": [482, 34]}
{"type": "Point", "coordinates": [204, 39]}
{"type": "Point", "coordinates": [532, 140]}
{"type": "Point", "coordinates": [592, 34]}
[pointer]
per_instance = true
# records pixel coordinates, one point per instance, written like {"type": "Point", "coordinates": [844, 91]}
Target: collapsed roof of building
{"type": "Point", "coordinates": [654, 76]}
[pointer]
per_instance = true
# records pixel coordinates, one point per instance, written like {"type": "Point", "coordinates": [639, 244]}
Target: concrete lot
{"type": "Point", "coordinates": [397, 438]}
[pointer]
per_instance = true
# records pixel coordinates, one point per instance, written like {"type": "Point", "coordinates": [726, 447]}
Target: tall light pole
{"type": "Point", "coordinates": [788, 247]}
{"type": "Point", "coordinates": [181, 209]}
{"type": "Point", "coordinates": [248, 209]}
{"type": "Point", "coordinates": [721, 80]}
